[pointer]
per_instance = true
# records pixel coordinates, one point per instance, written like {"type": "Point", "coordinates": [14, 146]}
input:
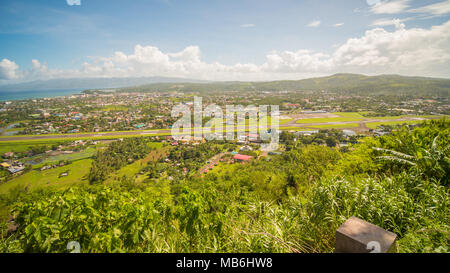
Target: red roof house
{"type": "Point", "coordinates": [240, 157]}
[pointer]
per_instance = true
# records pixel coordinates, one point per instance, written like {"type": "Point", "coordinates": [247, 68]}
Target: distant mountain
{"type": "Point", "coordinates": [356, 83]}
{"type": "Point", "coordinates": [90, 83]}
{"type": "Point", "coordinates": [341, 83]}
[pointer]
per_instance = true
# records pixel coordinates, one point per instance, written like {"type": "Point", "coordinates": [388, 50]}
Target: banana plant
{"type": "Point", "coordinates": [433, 161]}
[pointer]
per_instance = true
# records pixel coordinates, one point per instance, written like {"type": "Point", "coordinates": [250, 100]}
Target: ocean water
{"type": "Point", "coordinates": [37, 94]}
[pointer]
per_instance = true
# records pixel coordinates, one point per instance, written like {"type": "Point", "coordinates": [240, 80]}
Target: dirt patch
{"type": "Point", "coordinates": [362, 128]}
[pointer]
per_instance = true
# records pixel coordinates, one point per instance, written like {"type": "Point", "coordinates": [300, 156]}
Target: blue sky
{"type": "Point", "coordinates": [232, 39]}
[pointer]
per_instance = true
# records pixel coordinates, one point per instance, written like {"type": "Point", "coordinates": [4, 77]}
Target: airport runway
{"type": "Point", "coordinates": [159, 132]}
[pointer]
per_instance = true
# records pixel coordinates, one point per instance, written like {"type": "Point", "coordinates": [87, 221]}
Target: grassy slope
{"type": "Point", "coordinates": [132, 170]}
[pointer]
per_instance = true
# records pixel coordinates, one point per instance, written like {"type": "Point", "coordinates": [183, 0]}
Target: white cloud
{"type": "Point", "coordinates": [73, 2]}
{"type": "Point", "coordinates": [372, 2]}
{"type": "Point", "coordinates": [36, 64]}
{"type": "Point", "coordinates": [405, 51]}
{"type": "Point", "coordinates": [398, 23]}
{"type": "Point", "coordinates": [440, 8]}
{"type": "Point", "coordinates": [338, 25]}
{"type": "Point", "coordinates": [414, 51]}
{"type": "Point", "coordinates": [248, 25]}
{"type": "Point", "coordinates": [390, 7]}
{"type": "Point", "coordinates": [8, 70]}
{"type": "Point", "coordinates": [315, 23]}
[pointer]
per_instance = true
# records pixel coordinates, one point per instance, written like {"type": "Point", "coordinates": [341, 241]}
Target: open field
{"type": "Point", "coordinates": [296, 128]}
{"type": "Point", "coordinates": [374, 125]}
{"type": "Point", "coordinates": [335, 126]}
{"type": "Point", "coordinates": [325, 120]}
{"type": "Point", "coordinates": [22, 146]}
{"type": "Point", "coordinates": [78, 170]}
{"type": "Point", "coordinates": [350, 114]}
{"type": "Point", "coordinates": [36, 179]}
{"type": "Point", "coordinates": [86, 153]}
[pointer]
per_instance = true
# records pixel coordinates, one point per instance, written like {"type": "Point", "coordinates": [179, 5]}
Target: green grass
{"type": "Point", "coordinates": [407, 116]}
{"type": "Point", "coordinates": [4, 213]}
{"type": "Point", "coordinates": [296, 129]}
{"type": "Point", "coordinates": [14, 129]}
{"type": "Point", "coordinates": [325, 120]}
{"type": "Point", "coordinates": [132, 170]}
{"type": "Point", "coordinates": [267, 121]}
{"type": "Point", "coordinates": [86, 153]}
{"type": "Point", "coordinates": [35, 179]}
{"type": "Point", "coordinates": [350, 114]}
{"type": "Point", "coordinates": [284, 121]}
{"type": "Point", "coordinates": [23, 145]}
{"type": "Point", "coordinates": [74, 136]}
{"type": "Point", "coordinates": [374, 125]}
{"type": "Point", "coordinates": [353, 116]}
{"type": "Point", "coordinates": [156, 145]}
{"type": "Point", "coordinates": [56, 139]}
{"type": "Point", "coordinates": [20, 146]}
{"type": "Point", "coordinates": [335, 126]}
{"type": "Point", "coordinates": [129, 171]}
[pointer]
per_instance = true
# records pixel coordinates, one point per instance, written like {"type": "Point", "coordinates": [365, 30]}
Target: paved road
{"type": "Point", "coordinates": [156, 132]}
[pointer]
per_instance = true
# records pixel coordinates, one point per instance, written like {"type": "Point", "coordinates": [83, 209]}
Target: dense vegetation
{"type": "Point", "coordinates": [292, 202]}
{"type": "Point", "coordinates": [116, 156]}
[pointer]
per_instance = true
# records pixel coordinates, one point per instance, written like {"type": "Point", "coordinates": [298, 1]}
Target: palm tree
{"type": "Point", "coordinates": [432, 162]}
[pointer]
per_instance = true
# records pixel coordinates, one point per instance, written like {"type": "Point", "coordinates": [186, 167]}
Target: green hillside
{"type": "Point", "coordinates": [343, 83]}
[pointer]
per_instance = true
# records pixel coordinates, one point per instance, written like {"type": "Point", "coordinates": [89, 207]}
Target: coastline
{"type": "Point", "coordinates": [37, 94]}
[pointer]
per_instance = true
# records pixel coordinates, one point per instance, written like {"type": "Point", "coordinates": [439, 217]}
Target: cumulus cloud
{"type": "Point", "coordinates": [390, 7]}
{"type": "Point", "coordinates": [315, 23]}
{"type": "Point", "coordinates": [398, 23]}
{"type": "Point", "coordinates": [408, 51]}
{"type": "Point", "coordinates": [414, 51]}
{"type": "Point", "coordinates": [9, 70]}
{"type": "Point", "coordinates": [36, 64]}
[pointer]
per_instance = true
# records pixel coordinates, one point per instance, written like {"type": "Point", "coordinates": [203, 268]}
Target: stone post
{"type": "Point", "coordinates": [359, 236]}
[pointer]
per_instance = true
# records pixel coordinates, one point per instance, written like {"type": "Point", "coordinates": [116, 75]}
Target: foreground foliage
{"type": "Point", "coordinates": [291, 203]}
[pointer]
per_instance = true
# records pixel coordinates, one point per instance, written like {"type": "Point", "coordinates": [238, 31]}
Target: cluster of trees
{"type": "Point", "coordinates": [327, 137]}
{"type": "Point", "coordinates": [292, 202]}
{"type": "Point", "coordinates": [115, 156]}
{"type": "Point", "coordinates": [183, 161]}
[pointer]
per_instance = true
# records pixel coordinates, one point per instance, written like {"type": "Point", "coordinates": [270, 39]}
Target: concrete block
{"type": "Point", "coordinates": [359, 236]}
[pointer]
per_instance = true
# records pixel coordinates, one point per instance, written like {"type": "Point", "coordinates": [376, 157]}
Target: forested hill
{"type": "Point", "coordinates": [342, 83]}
